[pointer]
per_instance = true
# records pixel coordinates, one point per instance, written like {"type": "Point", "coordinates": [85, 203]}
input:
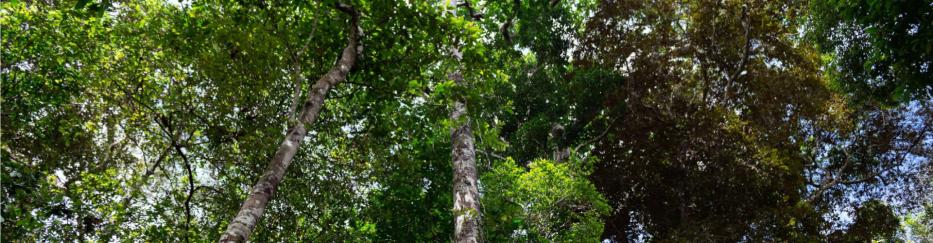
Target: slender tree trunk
{"type": "Point", "coordinates": [467, 213]}
{"type": "Point", "coordinates": [252, 209]}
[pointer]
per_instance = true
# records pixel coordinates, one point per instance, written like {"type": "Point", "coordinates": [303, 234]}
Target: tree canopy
{"type": "Point", "coordinates": [466, 121]}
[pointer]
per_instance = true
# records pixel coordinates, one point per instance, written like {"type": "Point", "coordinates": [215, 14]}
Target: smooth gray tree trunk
{"type": "Point", "coordinates": [251, 212]}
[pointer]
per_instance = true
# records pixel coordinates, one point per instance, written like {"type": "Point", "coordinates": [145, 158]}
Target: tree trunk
{"type": "Point", "coordinates": [560, 153]}
{"type": "Point", "coordinates": [252, 209]}
{"type": "Point", "coordinates": [467, 213]}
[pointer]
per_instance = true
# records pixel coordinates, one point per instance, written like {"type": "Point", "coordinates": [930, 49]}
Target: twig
{"type": "Point", "coordinates": [493, 154]}
{"type": "Point", "coordinates": [835, 180]}
{"type": "Point", "coordinates": [296, 71]}
{"type": "Point", "coordinates": [599, 137]}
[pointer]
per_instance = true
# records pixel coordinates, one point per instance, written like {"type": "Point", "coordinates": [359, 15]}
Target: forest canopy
{"type": "Point", "coordinates": [466, 121]}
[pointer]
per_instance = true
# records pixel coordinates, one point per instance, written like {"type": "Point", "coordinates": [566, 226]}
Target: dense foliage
{"type": "Point", "coordinates": [620, 120]}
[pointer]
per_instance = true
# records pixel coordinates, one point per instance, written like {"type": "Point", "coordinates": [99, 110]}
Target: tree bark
{"type": "Point", "coordinates": [467, 211]}
{"type": "Point", "coordinates": [252, 209]}
{"type": "Point", "coordinates": [560, 153]}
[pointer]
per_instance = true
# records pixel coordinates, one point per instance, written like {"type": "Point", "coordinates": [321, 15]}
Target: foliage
{"type": "Point", "coordinates": [548, 202]}
{"type": "Point", "coordinates": [880, 50]}
{"type": "Point", "coordinates": [619, 119]}
{"type": "Point", "coordinates": [873, 221]}
{"type": "Point", "coordinates": [919, 226]}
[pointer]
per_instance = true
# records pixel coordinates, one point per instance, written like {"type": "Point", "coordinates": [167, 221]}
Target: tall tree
{"type": "Point", "coordinates": [467, 210]}
{"type": "Point", "coordinates": [251, 212]}
{"type": "Point", "coordinates": [626, 120]}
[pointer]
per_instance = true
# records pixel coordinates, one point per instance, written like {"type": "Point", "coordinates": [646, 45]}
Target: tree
{"type": "Point", "coordinates": [549, 202]}
{"type": "Point", "coordinates": [879, 51]}
{"type": "Point", "coordinates": [239, 229]}
{"type": "Point", "coordinates": [919, 226]}
{"type": "Point", "coordinates": [467, 210]}
{"type": "Point", "coordinates": [722, 105]}
{"type": "Point", "coordinates": [580, 121]}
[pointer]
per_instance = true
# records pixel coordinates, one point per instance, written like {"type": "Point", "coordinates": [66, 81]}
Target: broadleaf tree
{"type": "Point", "coordinates": [582, 121]}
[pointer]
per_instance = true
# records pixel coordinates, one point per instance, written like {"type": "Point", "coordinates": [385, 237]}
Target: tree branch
{"type": "Point", "coordinates": [145, 177]}
{"type": "Point", "coordinates": [296, 72]}
{"type": "Point", "coordinates": [491, 154]}
{"type": "Point", "coordinates": [899, 157]}
{"type": "Point", "coordinates": [598, 137]}
{"type": "Point", "coordinates": [466, 4]}
{"type": "Point", "coordinates": [747, 48]}
{"type": "Point", "coordinates": [745, 53]}
{"type": "Point", "coordinates": [836, 181]}
{"type": "Point", "coordinates": [191, 189]}
{"type": "Point", "coordinates": [505, 28]}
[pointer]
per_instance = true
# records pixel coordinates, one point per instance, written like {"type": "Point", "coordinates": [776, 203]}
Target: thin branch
{"type": "Point", "coordinates": [899, 157]}
{"type": "Point", "coordinates": [191, 189]}
{"type": "Point", "coordinates": [296, 70]}
{"type": "Point", "coordinates": [492, 154]}
{"type": "Point", "coordinates": [745, 53]}
{"type": "Point", "coordinates": [836, 181]}
{"type": "Point", "coordinates": [598, 137]}
{"type": "Point", "coordinates": [466, 4]}
{"type": "Point", "coordinates": [165, 124]}
{"type": "Point", "coordinates": [145, 177]}
{"type": "Point", "coordinates": [505, 28]}
{"type": "Point", "coordinates": [747, 48]}
{"type": "Point", "coordinates": [833, 179]}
